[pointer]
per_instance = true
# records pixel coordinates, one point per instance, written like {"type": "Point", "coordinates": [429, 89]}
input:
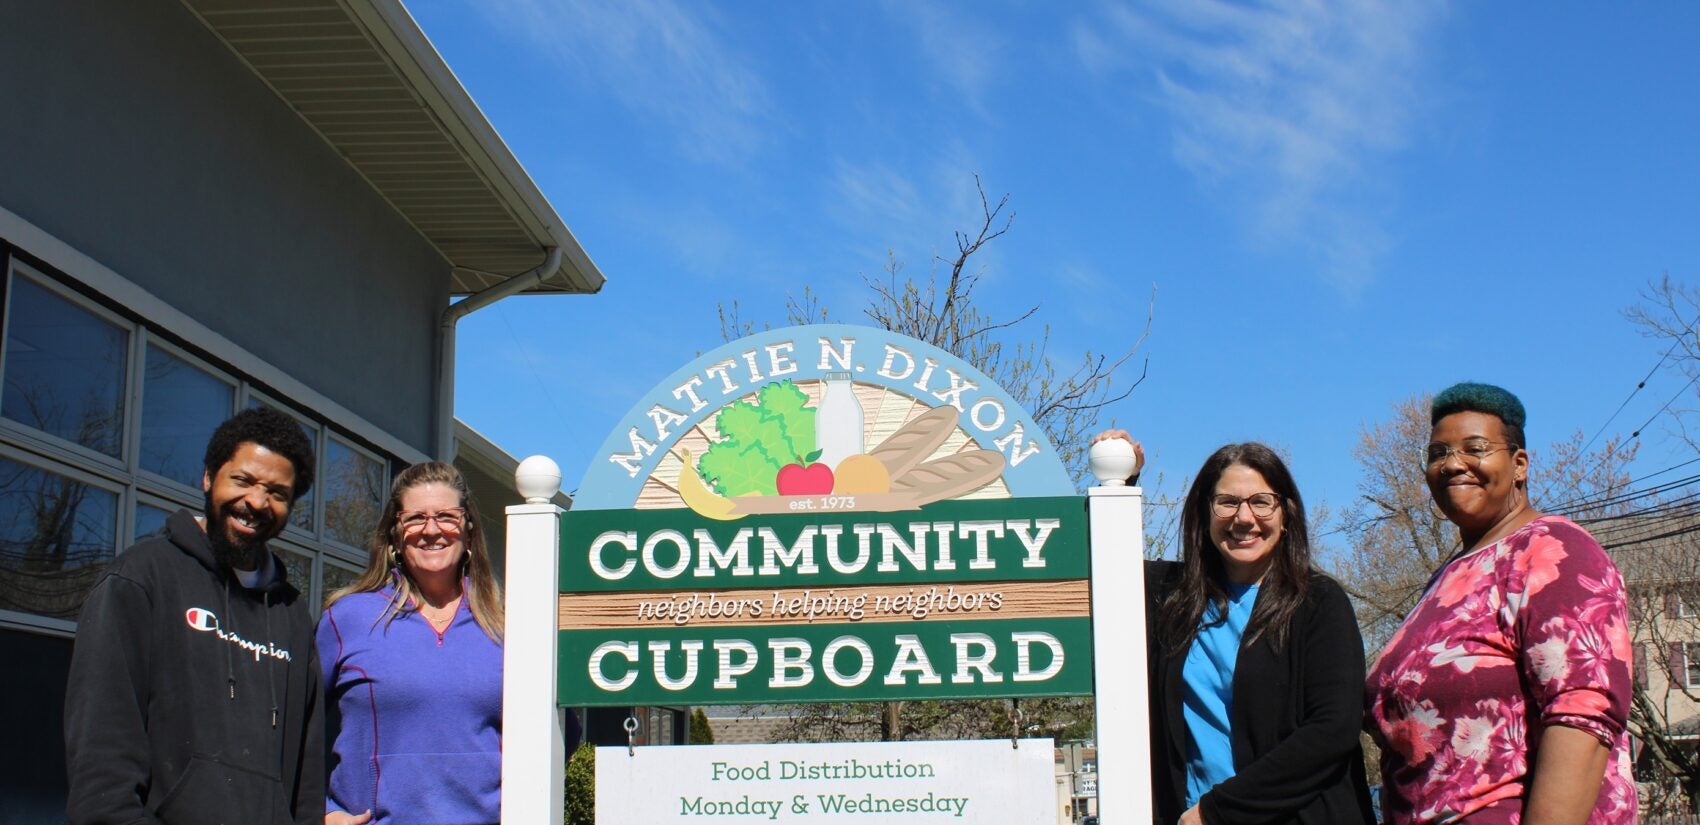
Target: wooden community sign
{"type": "Point", "coordinates": [818, 514]}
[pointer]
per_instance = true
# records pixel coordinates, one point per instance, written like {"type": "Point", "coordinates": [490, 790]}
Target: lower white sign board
{"type": "Point", "coordinates": [957, 782]}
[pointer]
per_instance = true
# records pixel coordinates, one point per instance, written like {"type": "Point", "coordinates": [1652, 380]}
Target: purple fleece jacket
{"type": "Point", "coordinates": [414, 719]}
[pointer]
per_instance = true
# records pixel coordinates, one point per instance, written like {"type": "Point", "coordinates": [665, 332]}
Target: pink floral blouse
{"type": "Point", "coordinates": [1528, 632]}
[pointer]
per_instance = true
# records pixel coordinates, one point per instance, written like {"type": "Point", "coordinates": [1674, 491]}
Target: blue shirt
{"type": "Point", "coordinates": [413, 718]}
{"type": "Point", "coordinates": [1207, 700]}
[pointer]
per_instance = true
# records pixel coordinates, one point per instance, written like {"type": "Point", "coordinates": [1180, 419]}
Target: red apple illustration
{"type": "Point", "coordinates": [805, 478]}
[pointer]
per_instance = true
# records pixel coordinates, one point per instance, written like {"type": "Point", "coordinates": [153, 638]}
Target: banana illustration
{"type": "Point", "coordinates": [698, 497]}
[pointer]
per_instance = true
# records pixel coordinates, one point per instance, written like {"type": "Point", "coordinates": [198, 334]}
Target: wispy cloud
{"type": "Point", "coordinates": [662, 59]}
{"type": "Point", "coordinates": [963, 50]}
{"type": "Point", "coordinates": [910, 209]}
{"type": "Point", "coordinates": [876, 193]}
{"type": "Point", "coordinates": [914, 215]}
{"type": "Point", "coordinates": [1288, 105]}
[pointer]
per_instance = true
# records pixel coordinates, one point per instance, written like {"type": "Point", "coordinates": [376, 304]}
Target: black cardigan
{"type": "Point", "coordinates": [1295, 718]}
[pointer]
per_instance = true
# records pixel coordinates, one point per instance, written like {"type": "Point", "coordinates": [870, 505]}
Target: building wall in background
{"type": "Point", "coordinates": [139, 139]}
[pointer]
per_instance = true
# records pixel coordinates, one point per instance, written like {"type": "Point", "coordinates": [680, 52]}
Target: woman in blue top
{"type": "Point", "coordinates": [412, 658]}
{"type": "Point", "coordinates": [1255, 659]}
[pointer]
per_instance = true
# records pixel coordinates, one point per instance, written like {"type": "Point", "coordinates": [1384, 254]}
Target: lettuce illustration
{"type": "Point", "coordinates": [784, 400]}
{"type": "Point", "coordinates": [757, 439]}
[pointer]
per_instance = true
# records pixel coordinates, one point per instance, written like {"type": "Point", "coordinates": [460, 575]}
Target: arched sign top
{"type": "Point", "coordinates": [821, 416]}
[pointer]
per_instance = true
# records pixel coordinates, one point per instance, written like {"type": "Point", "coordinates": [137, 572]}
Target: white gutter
{"type": "Point", "coordinates": [445, 446]}
{"type": "Point", "coordinates": [436, 86]}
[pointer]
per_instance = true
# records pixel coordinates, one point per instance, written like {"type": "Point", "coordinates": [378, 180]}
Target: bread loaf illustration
{"type": "Point", "coordinates": [916, 440]}
{"type": "Point", "coordinates": [950, 477]}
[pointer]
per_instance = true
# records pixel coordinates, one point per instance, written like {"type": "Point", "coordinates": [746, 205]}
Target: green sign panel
{"type": "Point", "coordinates": [953, 659]}
{"type": "Point", "coordinates": [1028, 539]}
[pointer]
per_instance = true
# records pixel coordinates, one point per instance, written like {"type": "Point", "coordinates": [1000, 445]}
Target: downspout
{"type": "Point", "coordinates": [445, 446]}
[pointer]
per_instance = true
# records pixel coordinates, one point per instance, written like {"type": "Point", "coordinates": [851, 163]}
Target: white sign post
{"type": "Point", "coordinates": [1115, 517]}
{"type": "Point", "coordinates": [534, 759]}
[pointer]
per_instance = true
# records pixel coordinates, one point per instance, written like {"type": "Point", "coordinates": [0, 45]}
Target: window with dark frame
{"type": "Point", "coordinates": [85, 472]}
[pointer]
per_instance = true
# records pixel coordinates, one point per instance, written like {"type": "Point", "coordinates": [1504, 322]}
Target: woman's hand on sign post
{"type": "Point", "coordinates": [1138, 450]}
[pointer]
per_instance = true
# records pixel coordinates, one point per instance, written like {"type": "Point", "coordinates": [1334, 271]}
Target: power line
{"type": "Point", "coordinates": [1680, 531]}
{"type": "Point", "coordinates": [1627, 493]}
{"type": "Point", "coordinates": [1624, 498]}
{"type": "Point", "coordinates": [1586, 498]}
{"type": "Point", "coordinates": [1657, 509]}
{"type": "Point", "coordinates": [1679, 393]}
{"type": "Point", "coordinates": [1665, 470]}
{"type": "Point", "coordinates": [1639, 385]}
{"type": "Point", "coordinates": [1636, 434]}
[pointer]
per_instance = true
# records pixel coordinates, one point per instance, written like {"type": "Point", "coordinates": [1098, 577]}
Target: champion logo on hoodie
{"type": "Point", "coordinates": [206, 621]}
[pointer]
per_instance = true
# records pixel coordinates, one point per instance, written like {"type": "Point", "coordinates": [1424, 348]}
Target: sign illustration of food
{"type": "Point", "coordinates": [820, 417]}
{"type": "Point", "coordinates": [777, 453]}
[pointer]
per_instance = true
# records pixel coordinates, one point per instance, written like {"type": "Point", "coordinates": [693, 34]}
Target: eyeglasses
{"type": "Point", "coordinates": [448, 521]}
{"type": "Point", "coordinates": [1262, 505]}
{"type": "Point", "coordinates": [1471, 453]}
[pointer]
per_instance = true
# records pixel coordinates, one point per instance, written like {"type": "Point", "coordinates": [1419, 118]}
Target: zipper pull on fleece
{"type": "Point", "coordinates": [233, 687]}
{"type": "Point", "coordinates": [274, 716]}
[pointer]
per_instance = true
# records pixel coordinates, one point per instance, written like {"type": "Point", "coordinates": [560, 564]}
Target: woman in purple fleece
{"type": "Point", "coordinates": [412, 657]}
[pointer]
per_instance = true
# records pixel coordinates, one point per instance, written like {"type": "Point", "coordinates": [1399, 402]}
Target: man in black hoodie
{"type": "Point", "coordinates": [194, 688]}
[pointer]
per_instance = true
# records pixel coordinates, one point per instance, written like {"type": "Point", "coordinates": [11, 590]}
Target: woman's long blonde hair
{"type": "Point", "coordinates": [483, 595]}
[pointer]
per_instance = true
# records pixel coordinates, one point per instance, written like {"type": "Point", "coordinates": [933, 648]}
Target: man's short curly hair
{"type": "Point", "coordinates": [1471, 396]}
{"type": "Point", "coordinates": [273, 430]}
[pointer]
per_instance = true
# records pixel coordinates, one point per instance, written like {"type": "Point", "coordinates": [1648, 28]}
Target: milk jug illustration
{"type": "Point", "coordinates": [838, 420]}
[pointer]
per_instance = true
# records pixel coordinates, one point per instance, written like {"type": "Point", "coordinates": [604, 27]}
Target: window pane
{"type": "Point", "coordinates": [337, 578]}
{"type": "Point", "coordinates": [300, 569]}
{"type": "Point", "coordinates": [354, 493]}
{"type": "Point", "coordinates": [181, 406]}
{"type": "Point", "coordinates": [56, 536]}
{"type": "Point", "coordinates": [661, 724]}
{"type": "Point", "coordinates": [300, 513]}
{"type": "Point", "coordinates": [149, 519]}
{"type": "Point", "coordinates": [64, 369]}
{"type": "Point", "coordinates": [32, 765]}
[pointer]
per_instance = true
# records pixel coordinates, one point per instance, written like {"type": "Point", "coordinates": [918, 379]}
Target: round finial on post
{"type": "Point", "coordinates": [538, 479]}
{"type": "Point", "coordinates": [1112, 461]}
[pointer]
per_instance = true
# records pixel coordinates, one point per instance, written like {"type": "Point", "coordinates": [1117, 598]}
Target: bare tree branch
{"type": "Point", "coordinates": [942, 309]}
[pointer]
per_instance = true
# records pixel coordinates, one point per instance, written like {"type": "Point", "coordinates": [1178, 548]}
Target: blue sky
{"type": "Point", "coordinates": [1340, 204]}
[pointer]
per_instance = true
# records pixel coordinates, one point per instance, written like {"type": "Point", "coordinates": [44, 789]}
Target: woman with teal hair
{"type": "Point", "coordinates": [1504, 696]}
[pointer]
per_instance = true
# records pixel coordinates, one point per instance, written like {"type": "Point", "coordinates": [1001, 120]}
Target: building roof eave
{"type": "Point", "coordinates": [363, 76]}
{"type": "Point", "coordinates": [475, 449]}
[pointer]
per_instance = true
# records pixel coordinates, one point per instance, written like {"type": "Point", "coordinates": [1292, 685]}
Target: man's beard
{"type": "Point", "coordinates": [237, 555]}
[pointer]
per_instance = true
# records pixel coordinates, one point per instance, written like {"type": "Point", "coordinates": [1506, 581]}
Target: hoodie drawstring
{"type": "Point", "coordinates": [229, 658]}
{"type": "Point", "coordinates": [271, 663]}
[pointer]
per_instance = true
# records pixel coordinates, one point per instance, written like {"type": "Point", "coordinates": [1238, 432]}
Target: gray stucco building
{"type": "Point", "coordinates": [212, 204]}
